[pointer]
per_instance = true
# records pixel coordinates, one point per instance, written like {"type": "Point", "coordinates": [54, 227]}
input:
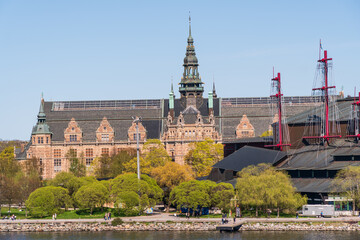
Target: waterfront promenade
{"type": "Point", "coordinates": [167, 217]}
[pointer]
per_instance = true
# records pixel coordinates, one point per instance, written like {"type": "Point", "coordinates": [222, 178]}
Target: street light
{"type": "Point", "coordinates": [137, 120]}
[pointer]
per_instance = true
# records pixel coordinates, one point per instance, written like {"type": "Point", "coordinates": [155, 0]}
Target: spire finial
{"type": "Point", "coordinates": [172, 87]}
{"type": "Point", "coordinates": [189, 24]}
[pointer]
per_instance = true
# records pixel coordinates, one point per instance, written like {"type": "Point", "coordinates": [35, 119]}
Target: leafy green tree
{"type": "Point", "coordinates": [118, 161]}
{"type": "Point", "coordinates": [347, 182]}
{"type": "Point", "coordinates": [66, 180]}
{"type": "Point", "coordinates": [153, 155]}
{"type": "Point", "coordinates": [203, 155]}
{"type": "Point", "coordinates": [9, 184]}
{"type": "Point", "coordinates": [263, 187]}
{"type": "Point", "coordinates": [77, 166]}
{"type": "Point", "coordinates": [102, 166]}
{"type": "Point", "coordinates": [130, 183]}
{"type": "Point", "coordinates": [191, 194]}
{"type": "Point", "coordinates": [171, 175]}
{"type": "Point", "coordinates": [92, 195]}
{"type": "Point", "coordinates": [48, 200]}
{"type": "Point", "coordinates": [41, 202]}
{"type": "Point", "coordinates": [221, 195]}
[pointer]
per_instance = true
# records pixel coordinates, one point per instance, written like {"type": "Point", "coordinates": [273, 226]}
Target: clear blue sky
{"type": "Point", "coordinates": [97, 50]}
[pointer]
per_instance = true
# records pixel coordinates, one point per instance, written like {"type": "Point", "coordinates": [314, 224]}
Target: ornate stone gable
{"type": "Point", "coordinates": [105, 133]}
{"type": "Point", "coordinates": [73, 133]}
{"type": "Point", "coordinates": [132, 132]}
{"type": "Point", "coordinates": [244, 129]}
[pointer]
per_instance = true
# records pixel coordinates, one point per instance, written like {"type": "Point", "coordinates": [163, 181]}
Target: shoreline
{"type": "Point", "coordinates": [170, 223]}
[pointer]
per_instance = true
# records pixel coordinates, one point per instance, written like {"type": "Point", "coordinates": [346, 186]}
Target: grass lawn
{"type": "Point", "coordinates": [15, 211]}
{"type": "Point", "coordinates": [71, 214]}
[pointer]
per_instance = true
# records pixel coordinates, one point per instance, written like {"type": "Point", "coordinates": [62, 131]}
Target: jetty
{"type": "Point", "coordinates": [230, 227]}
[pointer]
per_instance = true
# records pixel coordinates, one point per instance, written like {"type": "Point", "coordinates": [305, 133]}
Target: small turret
{"type": "Point", "coordinates": [41, 133]}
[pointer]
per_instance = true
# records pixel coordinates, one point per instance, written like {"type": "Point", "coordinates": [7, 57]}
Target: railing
{"type": "Point", "coordinates": [106, 105]}
{"type": "Point", "coordinates": [268, 100]}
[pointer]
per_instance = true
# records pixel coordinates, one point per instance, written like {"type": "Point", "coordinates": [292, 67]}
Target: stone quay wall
{"type": "Point", "coordinates": [172, 226]}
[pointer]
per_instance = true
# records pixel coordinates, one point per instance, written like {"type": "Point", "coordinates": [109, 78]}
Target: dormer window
{"type": "Point", "coordinates": [104, 137]}
{"type": "Point", "coordinates": [73, 138]}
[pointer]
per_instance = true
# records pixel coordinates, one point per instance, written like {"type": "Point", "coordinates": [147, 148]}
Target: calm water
{"type": "Point", "coordinates": [184, 235]}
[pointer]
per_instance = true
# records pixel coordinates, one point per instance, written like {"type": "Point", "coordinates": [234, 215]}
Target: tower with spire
{"type": "Point", "coordinates": [191, 88]}
{"type": "Point", "coordinates": [41, 133]}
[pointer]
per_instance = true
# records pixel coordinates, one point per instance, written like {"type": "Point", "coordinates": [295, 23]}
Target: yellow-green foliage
{"type": "Point", "coordinates": [203, 155]}
{"type": "Point", "coordinates": [263, 187]}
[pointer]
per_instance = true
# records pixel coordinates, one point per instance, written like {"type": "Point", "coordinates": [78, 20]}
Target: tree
{"type": "Point", "coordinates": [67, 180]}
{"type": "Point", "coordinates": [9, 189]}
{"type": "Point", "coordinates": [77, 166]}
{"type": "Point", "coordinates": [102, 166]}
{"type": "Point", "coordinates": [41, 202]}
{"type": "Point", "coordinates": [92, 195]}
{"type": "Point", "coordinates": [111, 166]}
{"type": "Point", "coordinates": [221, 195]}
{"type": "Point", "coordinates": [129, 182]}
{"type": "Point", "coordinates": [171, 175]}
{"type": "Point", "coordinates": [119, 159]}
{"type": "Point", "coordinates": [154, 155]}
{"type": "Point", "coordinates": [347, 182]}
{"type": "Point", "coordinates": [203, 155]}
{"type": "Point", "coordinates": [47, 200]}
{"type": "Point", "coordinates": [262, 186]}
{"type": "Point", "coordinates": [191, 194]}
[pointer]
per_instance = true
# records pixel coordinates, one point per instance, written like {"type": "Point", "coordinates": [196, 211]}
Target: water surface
{"type": "Point", "coordinates": [181, 235]}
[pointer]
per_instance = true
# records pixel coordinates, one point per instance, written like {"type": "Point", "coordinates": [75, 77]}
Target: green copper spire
{"type": "Point", "coordinates": [171, 97]}
{"type": "Point", "coordinates": [41, 116]}
{"type": "Point", "coordinates": [191, 85]}
{"type": "Point", "coordinates": [41, 127]}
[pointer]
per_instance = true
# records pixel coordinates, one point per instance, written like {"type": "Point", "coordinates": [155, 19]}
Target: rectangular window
{"type": "Point", "coordinates": [104, 137]}
{"type": "Point", "coordinates": [73, 152]}
{"type": "Point", "coordinates": [57, 153]}
{"type": "Point", "coordinates": [57, 165]}
{"type": "Point", "coordinates": [47, 139]}
{"type": "Point", "coordinates": [89, 152]}
{"type": "Point", "coordinates": [88, 161]}
{"type": "Point", "coordinates": [73, 138]}
{"type": "Point", "coordinates": [105, 151]}
{"type": "Point", "coordinates": [40, 140]}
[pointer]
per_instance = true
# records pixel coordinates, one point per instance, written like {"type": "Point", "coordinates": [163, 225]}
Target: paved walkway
{"type": "Point", "coordinates": [165, 217]}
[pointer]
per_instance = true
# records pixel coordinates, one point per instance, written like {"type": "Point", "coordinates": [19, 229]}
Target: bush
{"type": "Point", "coordinates": [125, 212]}
{"type": "Point", "coordinates": [117, 221]}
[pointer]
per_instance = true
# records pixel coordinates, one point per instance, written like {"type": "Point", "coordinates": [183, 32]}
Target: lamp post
{"type": "Point", "coordinates": [137, 120]}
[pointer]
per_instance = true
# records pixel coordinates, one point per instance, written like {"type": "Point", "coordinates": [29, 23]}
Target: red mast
{"type": "Point", "coordinates": [324, 89]}
{"type": "Point", "coordinates": [356, 122]}
{"type": "Point", "coordinates": [278, 96]}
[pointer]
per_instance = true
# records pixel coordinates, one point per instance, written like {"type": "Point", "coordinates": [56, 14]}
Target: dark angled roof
{"type": "Point", "coordinates": [247, 156]}
{"type": "Point", "coordinates": [343, 112]}
{"type": "Point", "coordinates": [312, 185]}
{"type": "Point", "coordinates": [204, 111]}
{"type": "Point", "coordinates": [89, 119]}
{"type": "Point", "coordinates": [321, 157]}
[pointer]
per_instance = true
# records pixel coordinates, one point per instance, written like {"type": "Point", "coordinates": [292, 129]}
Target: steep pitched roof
{"type": "Point", "coordinates": [247, 156]}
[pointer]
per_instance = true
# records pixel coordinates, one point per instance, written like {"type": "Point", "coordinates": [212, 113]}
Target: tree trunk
{"type": "Point", "coordinates": [91, 210]}
{"type": "Point", "coordinates": [278, 212]}
{"type": "Point", "coordinates": [256, 213]}
{"type": "Point", "coordinates": [25, 211]}
{"type": "Point", "coordinates": [168, 207]}
{"type": "Point", "coordinates": [353, 206]}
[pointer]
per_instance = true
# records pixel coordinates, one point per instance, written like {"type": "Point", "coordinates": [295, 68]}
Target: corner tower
{"type": "Point", "coordinates": [191, 88]}
{"type": "Point", "coordinates": [41, 133]}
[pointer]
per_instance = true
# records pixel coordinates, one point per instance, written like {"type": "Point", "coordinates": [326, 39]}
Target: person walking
{"type": "Point", "coordinates": [109, 215]}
